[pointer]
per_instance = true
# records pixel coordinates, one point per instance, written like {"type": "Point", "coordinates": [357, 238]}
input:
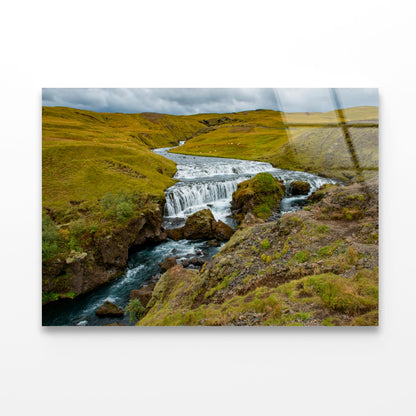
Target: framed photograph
{"type": "Point", "coordinates": [210, 207]}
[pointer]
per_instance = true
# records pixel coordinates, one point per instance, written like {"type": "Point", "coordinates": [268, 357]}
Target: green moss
{"type": "Point", "coordinates": [368, 319]}
{"type": "Point", "coordinates": [302, 256]}
{"type": "Point", "coordinates": [328, 251]}
{"type": "Point", "coordinates": [265, 244]}
{"type": "Point", "coordinates": [265, 258]}
{"type": "Point", "coordinates": [339, 294]}
{"type": "Point", "coordinates": [322, 229]}
{"type": "Point", "coordinates": [49, 297]}
{"type": "Point", "coordinates": [261, 194]}
{"type": "Point", "coordinates": [327, 322]}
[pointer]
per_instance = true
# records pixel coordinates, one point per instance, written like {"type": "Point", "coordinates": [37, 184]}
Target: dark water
{"type": "Point", "coordinates": [204, 183]}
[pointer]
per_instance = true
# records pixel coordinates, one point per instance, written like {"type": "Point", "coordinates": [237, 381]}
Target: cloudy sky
{"type": "Point", "coordinates": [205, 100]}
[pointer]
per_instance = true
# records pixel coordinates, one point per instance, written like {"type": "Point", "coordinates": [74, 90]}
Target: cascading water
{"type": "Point", "coordinates": [209, 182]}
{"type": "Point", "coordinates": [203, 183]}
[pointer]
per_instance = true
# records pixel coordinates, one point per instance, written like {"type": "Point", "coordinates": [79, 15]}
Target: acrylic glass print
{"type": "Point", "coordinates": [201, 207]}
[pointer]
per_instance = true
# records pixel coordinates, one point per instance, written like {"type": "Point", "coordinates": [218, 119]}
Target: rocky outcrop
{"type": "Point", "coordinates": [109, 310]}
{"type": "Point", "coordinates": [103, 258]}
{"type": "Point", "coordinates": [299, 188]}
{"type": "Point", "coordinates": [202, 225]}
{"type": "Point", "coordinates": [260, 196]}
{"type": "Point", "coordinates": [143, 294]}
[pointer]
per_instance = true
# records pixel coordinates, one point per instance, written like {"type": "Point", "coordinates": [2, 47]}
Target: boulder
{"type": "Point", "coordinates": [299, 188]}
{"type": "Point", "coordinates": [195, 261]}
{"type": "Point", "coordinates": [222, 231]}
{"type": "Point", "coordinates": [202, 226]}
{"type": "Point", "coordinates": [260, 195]}
{"type": "Point", "coordinates": [144, 294]}
{"type": "Point", "coordinates": [199, 225]}
{"type": "Point", "coordinates": [175, 234]}
{"type": "Point", "coordinates": [167, 264]}
{"type": "Point", "coordinates": [109, 309]}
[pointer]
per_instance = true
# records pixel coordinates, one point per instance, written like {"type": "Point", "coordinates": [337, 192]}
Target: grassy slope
{"type": "Point", "coordinates": [318, 266]}
{"type": "Point", "coordinates": [87, 154]}
{"type": "Point", "coordinates": [262, 135]}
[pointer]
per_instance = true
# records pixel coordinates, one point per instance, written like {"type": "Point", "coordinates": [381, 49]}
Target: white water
{"type": "Point", "coordinates": [209, 182]}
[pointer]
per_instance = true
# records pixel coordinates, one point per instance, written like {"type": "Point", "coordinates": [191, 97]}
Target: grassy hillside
{"type": "Point", "coordinates": [100, 184]}
{"type": "Point", "coordinates": [318, 266]}
{"type": "Point", "coordinates": [304, 141]}
{"type": "Point", "coordinates": [87, 154]}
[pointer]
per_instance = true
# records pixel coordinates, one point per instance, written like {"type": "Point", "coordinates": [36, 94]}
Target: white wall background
{"type": "Point", "coordinates": [288, 371]}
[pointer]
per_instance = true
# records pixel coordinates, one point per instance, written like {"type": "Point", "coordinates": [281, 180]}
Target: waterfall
{"type": "Point", "coordinates": [187, 197]}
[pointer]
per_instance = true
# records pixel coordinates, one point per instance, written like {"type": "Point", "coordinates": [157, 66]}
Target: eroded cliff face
{"type": "Point", "coordinates": [104, 258]}
{"type": "Point", "coordinates": [318, 266]}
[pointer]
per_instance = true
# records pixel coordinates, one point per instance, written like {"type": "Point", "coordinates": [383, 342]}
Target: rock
{"type": "Point", "coordinates": [202, 225]}
{"type": "Point", "coordinates": [175, 234]}
{"type": "Point", "coordinates": [213, 243]}
{"type": "Point", "coordinates": [167, 264]}
{"type": "Point", "coordinates": [199, 225]}
{"type": "Point", "coordinates": [144, 294]}
{"type": "Point", "coordinates": [195, 261]}
{"type": "Point", "coordinates": [260, 195]}
{"type": "Point", "coordinates": [222, 231]}
{"type": "Point", "coordinates": [299, 188]}
{"type": "Point", "coordinates": [199, 253]}
{"type": "Point", "coordinates": [109, 309]}
{"type": "Point", "coordinates": [251, 219]}
{"type": "Point", "coordinates": [74, 256]}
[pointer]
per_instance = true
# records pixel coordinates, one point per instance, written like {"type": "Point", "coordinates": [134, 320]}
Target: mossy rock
{"type": "Point", "coordinates": [299, 188]}
{"type": "Point", "coordinates": [202, 225]}
{"type": "Point", "coordinates": [109, 309]}
{"type": "Point", "coordinates": [167, 264]}
{"type": "Point", "coordinates": [199, 225]}
{"type": "Point", "coordinates": [260, 195]}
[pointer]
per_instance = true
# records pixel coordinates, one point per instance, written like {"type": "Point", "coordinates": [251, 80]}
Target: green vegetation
{"type": "Point", "coordinates": [261, 195]}
{"type": "Point", "coordinates": [87, 154]}
{"type": "Point", "coordinates": [52, 296]}
{"type": "Point", "coordinates": [135, 310]}
{"type": "Point", "coordinates": [120, 206]}
{"type": "Point", "coordinates": [302, 256]}
{"type": "Point", "coordinates": [340, 301]}
{"type": "Point", "coordinates": [265, 244]}
{"type": "Point", "coordinates": [51, 238]}
{"type": "Point", "coordinates": [292, 141]}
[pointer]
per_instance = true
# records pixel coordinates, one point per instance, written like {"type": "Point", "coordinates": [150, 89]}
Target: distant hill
{"type": "Point", "coordinates": [304, 141]}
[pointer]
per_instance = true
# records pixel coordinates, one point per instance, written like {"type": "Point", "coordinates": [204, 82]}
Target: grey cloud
{"type": "Point", "coordinates": [203, 100]}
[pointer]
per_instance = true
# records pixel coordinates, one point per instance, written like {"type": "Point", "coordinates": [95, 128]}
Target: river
{"type": "Point", "coordinates": [204, 182]}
